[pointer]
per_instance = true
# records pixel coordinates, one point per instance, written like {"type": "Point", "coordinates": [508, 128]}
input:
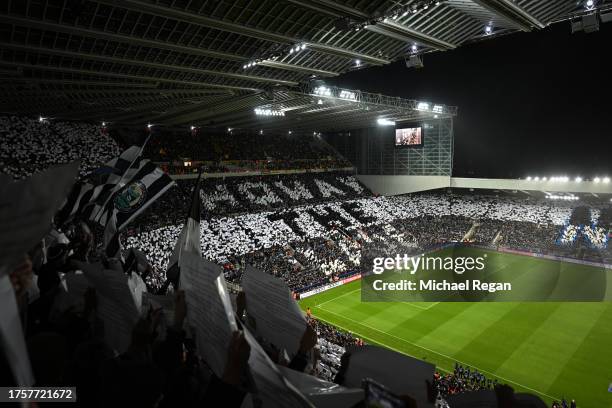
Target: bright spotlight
{"type": "Point", "coordinates": [596, 179]}
{"type": "Point", "coordinates": [261, 132]}
{"type": "Point", "coordinates": [578, 179]}
{"type": "Point", "coordinates": [289, 132]}
{"type": "Point", "coordinates": [590, 3]}
{"type": "Point", "coordinates": [357, 62]}
{"type": "Point", "coordinates": [149, 125]}
{"type": "Point", "coordinates": [320, 102]}
{"type": "Point", "coordinates": [385, 122]}
{"type": "Point", "coordinates": [414, 48]}
{"type": "Point", "coordinates": [536, 178]}
{"type": "Point", "coordinates": [529, 178]}
{"type": "Point", "coordinates": [606, 180]}
{"type": "Point", "coordinates": [488, 29]}
{"type": "Point", "coordinates": [543, 178]}
{"type": "Point", "coordinates": [229, 130]}
{"type": "Point", "coordinates": [103, 124]}
{"type": "Point", "coordinates": [192, 127]}
{"type": "Point", "coordinates": [323, 91]}
{"type": "Point", "coordinates": [423, 106]}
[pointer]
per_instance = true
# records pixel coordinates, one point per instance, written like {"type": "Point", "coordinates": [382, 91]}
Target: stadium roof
{"type": "Point", "coordinates": [194, 61]}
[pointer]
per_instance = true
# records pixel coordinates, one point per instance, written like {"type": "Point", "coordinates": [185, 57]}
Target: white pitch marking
{"type": "Point", "coordinates": [431, 351]}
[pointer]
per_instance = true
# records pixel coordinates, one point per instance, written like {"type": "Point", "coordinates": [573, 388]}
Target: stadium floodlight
{"type": "Point", "coordinates": [578, 179]}
{"type": "Point", "coordinates": [589, 4]}
{"type": "Point", "coordinates": [192, 127]}
{"type": "Point", "coordinates": [606, 180]}
{"type": "Point", "coordinates": [414, 48]}
{"type": "Point", "coordinates": [357, 62]}
{"type": "Point", "coordinates": [289, 132]}
{"type": "Point", "coordinates": [438, 108]}
{"type": "Point", "coordinates": [543, 178]}
{"type": "Point", "coordinates": [596, 180]}
{"type": "Point", "coordinates": [344, 94]}
{"type": "Point", "coordinates": [488, 29]}
{"type": "Point", "coordinates": [269, 112]}
{"type": "Point", "coordinates": [261, 132]}
{"type": "Point", "coordinates": [423, 106]}
{"type": "Point", "coordinates": [320, 102]}
{"type": "Point", "coordinates": [149, 125]}
{"type": "Point", "coordinates": [536, 178]}
{"type": "Point", "coordinates": [103, 124]}
{"type": "Point", "coordinates": [385, 122]}
{"type": "Point", "coordinates": [303, 46]}
{"type": "Point", "coordinates": [436, 116]}
{"type": "Point", "coordinates": [323, 91]}
{"type": "Point", "coordinates": [528, 178]}
{"type": "Point", "coordinates": [229, 130]}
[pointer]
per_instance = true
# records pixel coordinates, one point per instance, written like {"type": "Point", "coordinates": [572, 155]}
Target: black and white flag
{"type": "Point", "coordinates": [146, 186]}
{"type": "Point", "coordinates": [189, 238]}
{"type": "Point", "coordinates": [98, 186]}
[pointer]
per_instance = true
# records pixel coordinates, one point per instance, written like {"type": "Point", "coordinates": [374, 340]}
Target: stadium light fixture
{"type": "Point", "coordinates": [578, 179]}
{"type": "Point", "coordinates": [261, 132]}
{"type": "Point", "coordinates": [606, 180]}
{"type": "Point", "coordinates": [269, 112]}
{"type": "Point", "coordinates": [438, 108]}
{"type": "Point", "coordinates": [543, 178]}
{"type": "Point", "coordinates": [414, 48]}
{"type": "Point", "coordinates": [192, 127]}
{"type": "Point", "coordinates": [423, 106]}
{"type": "Point", "coordinates": [229, 130]}
{"type": "Point", "coordinates": [289, 132]}
{"type": "Point", "coordinates": [596, 180]}
{"type": "Point", "coordinates": [528, 178]}
{"type": "Point", "coordinates": [436, 116]}
{"type": "Point", "coordinates": [320, 102]}
{"type": "Point", "coordinates": [536, 178]}
{"type": "Point", "coordinates": [323, 91]}
{"type": "Point", "coordinates": [103, 124]}
{"type": "Point", "coordinates": [385, 122]}
{"type": "Point", "coordinates": [149, 125]}
{"type": "Point", "coordinates": [344, 94]}
{"type": "Point", "coordinates": [357, 62]}
{"type": "Point", "coordinates": [589, 4]}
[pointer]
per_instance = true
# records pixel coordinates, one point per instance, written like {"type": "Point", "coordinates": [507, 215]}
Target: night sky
{"type": "Point", "coordinates": [536, 103]}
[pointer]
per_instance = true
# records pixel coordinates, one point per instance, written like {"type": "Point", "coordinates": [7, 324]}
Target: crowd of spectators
{"type": "Point", "coordinates": [30, 145]}
{"type": "Point", "coordinates": [308, 244]}
{"type": "Point", "coordinates": [242, 150]}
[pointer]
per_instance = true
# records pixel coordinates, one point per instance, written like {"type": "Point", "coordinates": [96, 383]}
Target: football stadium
{"type": "Point", "coordinates": [306, 203]}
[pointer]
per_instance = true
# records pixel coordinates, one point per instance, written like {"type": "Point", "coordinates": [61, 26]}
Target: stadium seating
{"type": "Point", "coordinates": [30, 145]}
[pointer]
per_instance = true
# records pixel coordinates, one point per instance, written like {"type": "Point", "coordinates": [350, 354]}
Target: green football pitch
{"type": "Point", "coordinates": [552, 349]}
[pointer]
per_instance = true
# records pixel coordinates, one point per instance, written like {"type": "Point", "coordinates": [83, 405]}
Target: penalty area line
{"type": "Point", "coordinates": [429, 350]}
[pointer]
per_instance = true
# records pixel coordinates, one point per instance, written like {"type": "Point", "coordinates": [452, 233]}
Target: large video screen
{"type": "Point", "coordinates": [409, 136]}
